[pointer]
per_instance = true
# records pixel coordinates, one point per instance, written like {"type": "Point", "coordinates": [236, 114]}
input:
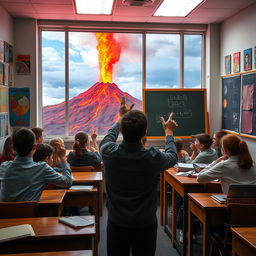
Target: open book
{"type": "Point", "coordinates": [190, 166]}
{"type": "Point", "coordinates": [16, 232]}
{"type": "Point", "coordinates": [75, 221]}
{"type": "Point", "coordinates": [82, 187]}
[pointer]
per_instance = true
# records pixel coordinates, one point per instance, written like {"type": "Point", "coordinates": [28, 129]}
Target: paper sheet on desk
{"type": "Point", "coordinates": [187, 174]}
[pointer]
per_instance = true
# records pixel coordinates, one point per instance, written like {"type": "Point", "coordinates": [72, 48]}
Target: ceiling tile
{"type": "Point", "coordinates": [227, 3]}
{"type": "Point", "coordinates": [206, 13]}
{"type": "Point", "coordinates": [53, 8]}
{"type": "Point", "coordinates": [50, 16]}
{"type": "Point", "coordinates": [51, 2]}
{"type": "Point", "coordinates": [18, 7]}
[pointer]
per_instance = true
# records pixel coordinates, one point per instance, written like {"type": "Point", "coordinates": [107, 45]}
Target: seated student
{"type": "Point", "coordinates": [44, 153]}
{"type": "Point", "coordinates": [235, 166]}
{"type": "Point", "coordinates": [83, 154]}
{"type": "Point", "coordinates": [183, 156]}
{"type": "Point", "coordinates": [24, 180]}
{"type": "Point", "coordinates": [8, 151]}
{"type": "Point", "coordinates": [39, 134]}
{"type": "Point", "coordinates": [216, 141]}
{"type": "Point", "coordinates": [202, 151]}
{"type": "Point", "coordinates": [58, 146]}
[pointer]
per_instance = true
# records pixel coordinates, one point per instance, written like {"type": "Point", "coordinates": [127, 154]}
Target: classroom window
{"type": "Point", "coordinates": [163, 61]}
{"type": "Point", "coordinates": [192, 61]}
{"type": "Point", "coordinates": [85, 73]}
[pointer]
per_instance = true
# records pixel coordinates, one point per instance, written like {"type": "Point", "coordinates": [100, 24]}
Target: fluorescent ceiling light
{"type": "Point", "coordinates": [177, 8]}
{"type": "Point", "coordinates": [94, 6]}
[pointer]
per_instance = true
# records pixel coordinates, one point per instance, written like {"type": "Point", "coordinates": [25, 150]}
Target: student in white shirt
{"type": "Point", "coordinates": [235, 166]}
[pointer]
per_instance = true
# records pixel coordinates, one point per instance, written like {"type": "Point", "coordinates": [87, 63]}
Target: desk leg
{"type": "Point", "coordinates": [101, 198]}
{"type": "Point", "coordinates": [165, 205]}
{"type": "Point", "coordinates": [185, 224]}
{"type": "Point", "coordinates": [161, 197]}
{"type": "Point", "coordinates": [174, 215]}
{"type": "Point", "coordinates": [190, 232]}
{"type": "Point", "coordinates": [206, 237]}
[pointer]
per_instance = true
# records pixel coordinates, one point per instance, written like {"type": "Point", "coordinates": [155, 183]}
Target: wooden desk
{"type": "Point", "coordinates": [81, 198]}
{"type": "Point", "coordinates": [244, 241]}
{"type": "Point", "coordinates": [51, 202]}
{"type": "Point", "coordinates": [180, 185]}
{"type": "Point", "coordinates": [94, 178]}
{"type": "Point", "coordinates": [61, 253]}
{"type": "Point", "coordinates": [51, 235]}
{"type": "Point", "coordinates": [209, 212]}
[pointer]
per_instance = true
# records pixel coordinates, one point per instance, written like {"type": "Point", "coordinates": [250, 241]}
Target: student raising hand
{"type": "Point", "coordinates": [123, 108]}
{"type": "Point", "coordinates": [94, 147]}
{"type": "Point", "coordinates": [170, 125]}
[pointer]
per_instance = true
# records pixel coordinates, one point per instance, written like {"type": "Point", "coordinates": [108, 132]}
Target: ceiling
{"type": "Point", "coordinates": [211, 11]}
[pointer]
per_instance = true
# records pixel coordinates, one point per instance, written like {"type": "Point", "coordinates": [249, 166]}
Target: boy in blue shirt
{"type": "Point", "coordinates": [24, 180]}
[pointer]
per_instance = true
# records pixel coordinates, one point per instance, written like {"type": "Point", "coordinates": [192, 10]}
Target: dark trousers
{"type": "Point", "coordinates": [139, 241]}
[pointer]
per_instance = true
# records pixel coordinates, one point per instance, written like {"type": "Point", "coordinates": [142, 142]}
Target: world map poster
{"type": "Point", "coordinates": [19, 103]}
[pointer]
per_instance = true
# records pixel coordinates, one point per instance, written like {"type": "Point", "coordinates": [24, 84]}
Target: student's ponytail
{"type": "Point", "coordinates": [245, 161]}
{"type": "Point", "coordinates": [81, 138]}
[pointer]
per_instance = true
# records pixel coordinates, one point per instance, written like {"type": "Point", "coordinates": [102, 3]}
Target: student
{"type": "Point", "coordinates": [202, 151]}
{"type": "Point", "coordinates": [24, 180]}
{"type": "Point", "coordinates": [58, 145]}
{"type": "Point", "coordinates": [131, 173]}
{"type": "Point", "coordinates": [235, 166]}
{"type": "Point", "coordinates": [183, 156]}
{"type": "Point", "coordinates": [216, 142]}
{"type": "Point", "coordinates": [83, 154]}
{"type": "Point", "coordinates": [8, 151]}
{"type": "Point", "coordinates": [39, 134]}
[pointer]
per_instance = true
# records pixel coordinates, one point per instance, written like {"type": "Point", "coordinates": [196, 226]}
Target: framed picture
{"type": "Point", "coordinates": [228, 64]}
{"type": "Point", "coordinates": [10, 54]}
{"type": "Point", "coordinates": [1, 73]}
{"type": "Point", "coordinates": [6, 52]}
{"type": "Point", "coordinates": [236, 62]}
{"type": "Point", "coordinates": [247, 59]}
{"type": "Point", "coordinates": [22, 64]}
{"type": "Point", "coordinates": [6, 74]}
{"type": "Point", "coordinates": [1, 51]}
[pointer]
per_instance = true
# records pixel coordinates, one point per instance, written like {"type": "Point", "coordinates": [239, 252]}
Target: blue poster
{"type": "Point", "coordinates": [19, 104]}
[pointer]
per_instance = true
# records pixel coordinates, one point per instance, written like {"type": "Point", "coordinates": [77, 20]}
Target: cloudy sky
{"type": "Point", "coordinates": [162, 63]}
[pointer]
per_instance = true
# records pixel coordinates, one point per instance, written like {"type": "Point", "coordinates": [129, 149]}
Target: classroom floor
{"type": "Point", "coordinates": [164, 246]}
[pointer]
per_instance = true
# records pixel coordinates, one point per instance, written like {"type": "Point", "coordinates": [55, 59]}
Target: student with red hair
{"type": "Point", "coordinates": [235, 166]}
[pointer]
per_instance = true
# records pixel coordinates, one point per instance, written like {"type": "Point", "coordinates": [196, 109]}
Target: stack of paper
{"type": "Point", "coordinates": [75, 221]}
{"type": "Point", "coordinates": [82, 187]}
{"type": "Point", "coordinates": [16, 232]}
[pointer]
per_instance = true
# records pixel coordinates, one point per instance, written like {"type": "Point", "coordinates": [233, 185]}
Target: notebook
{"type": "Point", "coordinates": [16, 232]}
{"type": "Point", "coordinates": [220, 198]}
{"type": "Point", "coordinates": [82, 187]}
{"type": "Point", "coordinates": [76, 221]}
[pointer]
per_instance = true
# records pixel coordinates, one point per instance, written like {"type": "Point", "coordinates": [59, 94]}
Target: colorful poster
{"type": "Point", "coordinates": [23, 64]}
{"type": "Point", "coordinates": [248, 59]}
{"type": "Point", "coordinates": [3, 99]}
{"type": "Point", "coordinates": [3, 125]}
{"type": "Point", "coordinates": [1, 51]}
{"type": "Point", "coordinates": [236, 62]}
{"type": "Point", "coordinates": [19, 103]}
{"type": "Point", "coordinates": [228, 64]}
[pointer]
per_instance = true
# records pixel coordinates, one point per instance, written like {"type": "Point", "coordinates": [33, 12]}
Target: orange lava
{"type": "Point", "coordinates": [109, 51]}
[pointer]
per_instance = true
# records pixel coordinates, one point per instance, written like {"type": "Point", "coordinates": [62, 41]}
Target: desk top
{"type": "Point", "coordinates": [247, 234]}
{"type": "Point", "coordinates": [86, 177]}
{"type": "Point", "coordinates": [50, 227]}
{"type": "Point", "coordinates": [204, 200]}
{"type": "Point", "coordinates": [181, 179]}
{"type": "Point", "coordinates": [59, 253]}
{"type": "Point", "coordinates": [52, 197]}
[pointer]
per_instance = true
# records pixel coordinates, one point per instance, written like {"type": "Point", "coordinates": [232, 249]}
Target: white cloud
{"type": "Point", "coordinates": [54, 35]}
{"type": "Point", "coordinates": [82, 40]}
{"type": "Point", "coordinates": [73, 52]}
{"type": "Point", "coordinates": [51, 55]}
{"type": "Point", "coordinates": [90, 57]}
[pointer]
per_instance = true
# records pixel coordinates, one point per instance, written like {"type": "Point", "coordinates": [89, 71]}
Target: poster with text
{"type": "Point", "coordinates": [228, 64]}
{"type": "Point", "coordinates": [19, 104]}
{"type": "Point", "coordinates": [3, 99]}
{"type": "Point", "coordinates": [248, 59]}
{"type": "Point", "coordinates": [236, 62]}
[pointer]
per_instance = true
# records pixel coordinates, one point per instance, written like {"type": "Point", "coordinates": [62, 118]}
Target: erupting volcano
{"type": "Point", "coordinates": [98, 106]}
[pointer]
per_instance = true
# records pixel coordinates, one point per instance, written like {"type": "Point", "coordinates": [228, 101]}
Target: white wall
{"type": "Point", "coordinates": [6, 34]}
{"type": "Point", "coordinates": [25, 37]}
{"type": "Point", "coordinates": [237, 34]}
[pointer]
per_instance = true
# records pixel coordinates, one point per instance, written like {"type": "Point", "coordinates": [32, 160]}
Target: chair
{"type": "Point", "coordinates": [24, 209]}
{"type": "Point", "coordinates": [238, 215]}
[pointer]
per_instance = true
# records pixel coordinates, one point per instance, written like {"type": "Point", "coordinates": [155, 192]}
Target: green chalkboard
{"type": "Point", "coordinates": [188, 106]}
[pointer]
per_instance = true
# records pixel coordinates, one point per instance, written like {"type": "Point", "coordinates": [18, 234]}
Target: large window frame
{"type": "Point", "coordinates": [115, 28]}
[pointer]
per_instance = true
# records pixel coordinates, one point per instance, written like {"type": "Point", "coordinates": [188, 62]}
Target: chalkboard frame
{"type": "Point", "coordinates": [239, 133]}
{"type": "Point", "coordinates": [206, 116]}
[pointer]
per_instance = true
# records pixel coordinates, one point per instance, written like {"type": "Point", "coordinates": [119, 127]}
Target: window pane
{"type": "Point", "coordinates": [192, 61]}
{"type": "Point", "coordinates": [163, 61]}
{"type": "Point", "coordinates": [53, 77]}
{"type": "Point", "coordinates": [95, 91]}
